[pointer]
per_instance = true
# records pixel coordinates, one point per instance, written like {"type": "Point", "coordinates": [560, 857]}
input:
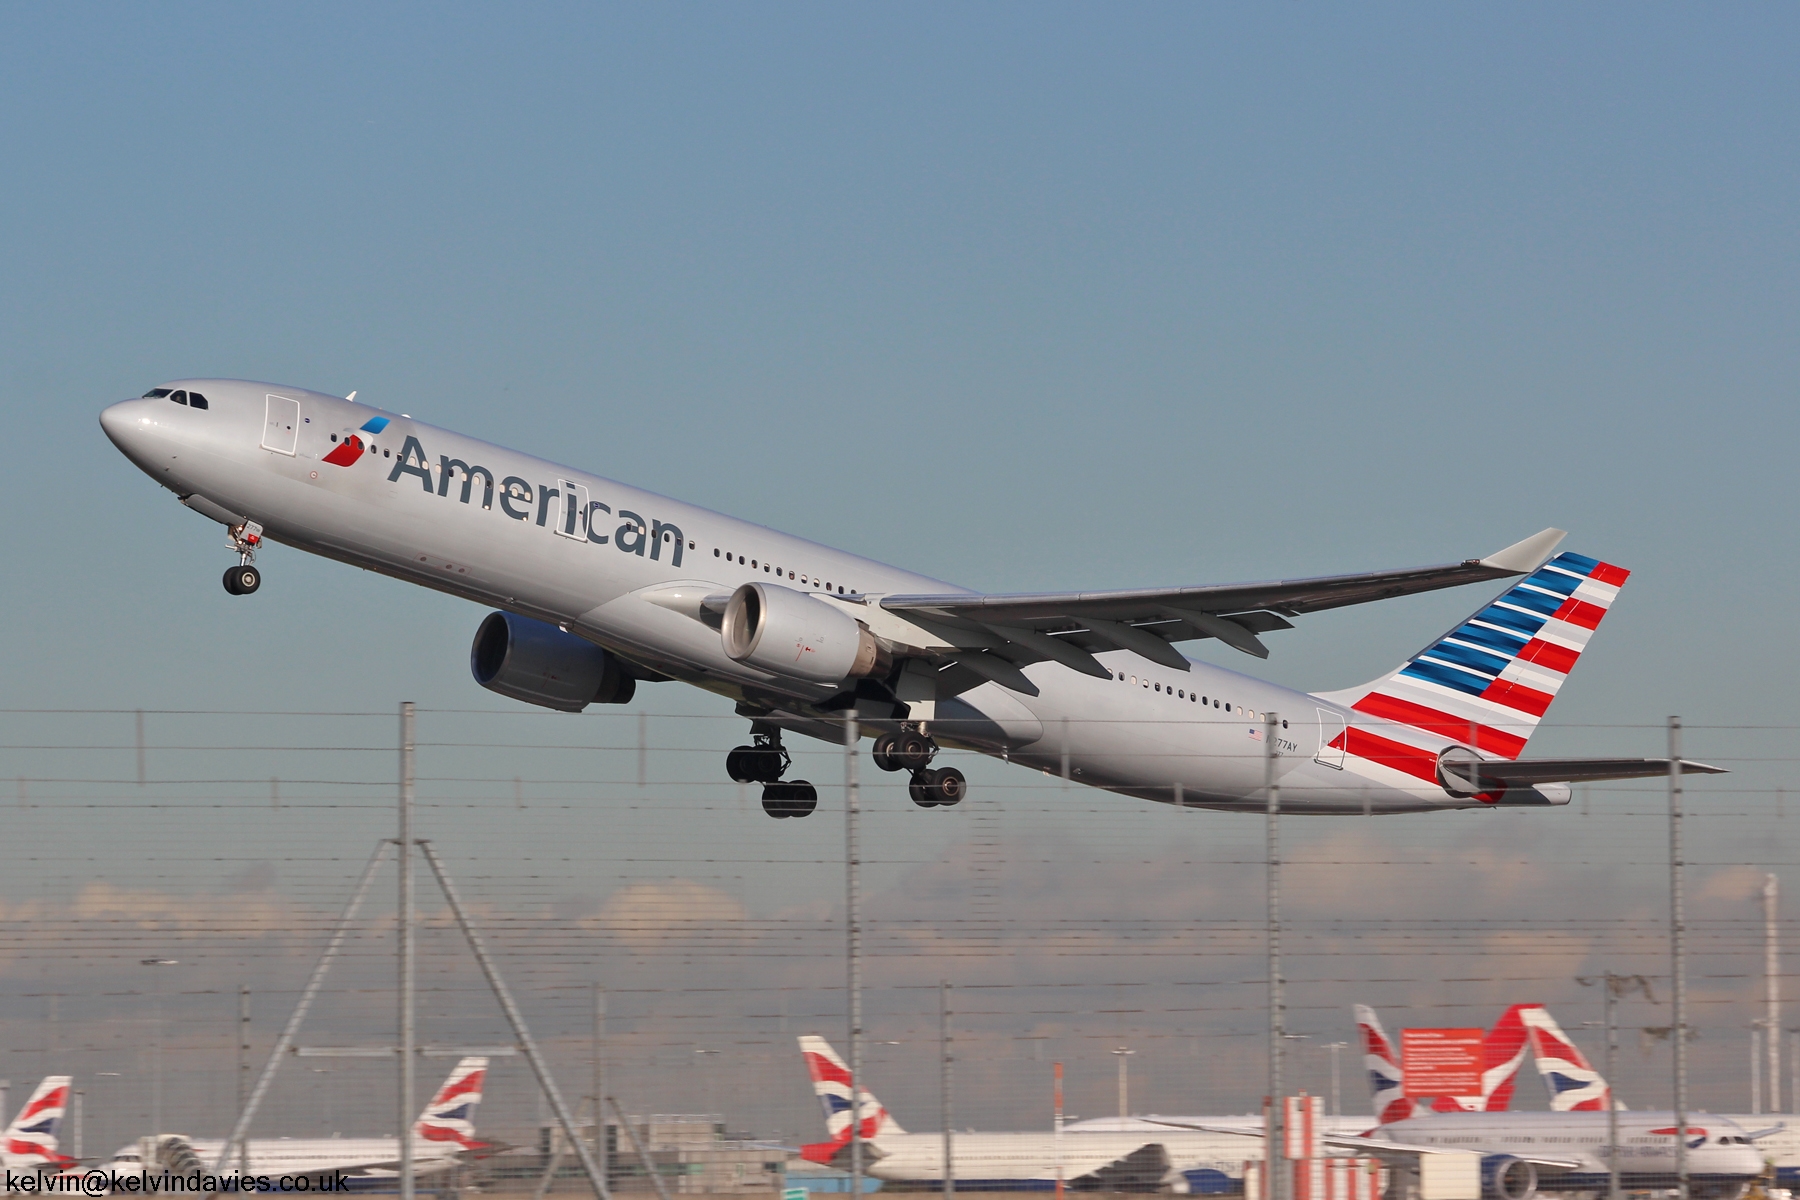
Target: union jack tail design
{"type": "Point", "coordinates": [1502, 1054]}
{"type": "Point", "coordinates": [31, 1139]}
{"type": "Point", "coordinates": [831, 1084]}
{"type": "Point", "coordinates": [450, 1117]}
{"type": "Point", "coordinates": [1487, 683]}
{"type": "Point", "coordinates": [1386, 1090]}
{"type": "Point", "coordinates": [1574, 1084]}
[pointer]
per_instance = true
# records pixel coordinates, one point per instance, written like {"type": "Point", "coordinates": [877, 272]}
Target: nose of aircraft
{"type": "Point", "coordinates": [127, 424]}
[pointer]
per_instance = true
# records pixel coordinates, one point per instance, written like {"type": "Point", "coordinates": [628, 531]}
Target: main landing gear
{"type": "Point", "coordinates": [910, 750]}
{"type": "Point", "coordinates": [244, 578]}
{"type": "Point", "coordinates": [765, 762]}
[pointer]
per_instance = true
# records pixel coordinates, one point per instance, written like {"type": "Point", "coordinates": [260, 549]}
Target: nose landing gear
{"type": "Point", "coordinates": [244, 578]}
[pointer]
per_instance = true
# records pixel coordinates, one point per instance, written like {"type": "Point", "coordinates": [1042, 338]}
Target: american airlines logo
{"type": "Point", "coordinates": [565, 507]}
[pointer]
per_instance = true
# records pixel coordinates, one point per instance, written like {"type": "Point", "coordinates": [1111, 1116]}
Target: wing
{"type": "Point", "coordinates": [1380, 1147]}
{"type": "Point", "coordinates": [993, 635]}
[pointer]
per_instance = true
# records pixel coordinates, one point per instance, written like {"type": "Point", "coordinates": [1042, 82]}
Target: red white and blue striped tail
{"type": "Point", "coordinates": [1487, 683]}
{"type": "Point", "coordinates": [831, 1084]}
{"type": "Point", "coordinates": [450, 1117]}
{"type": "Point", "coordinates": [32, 1137]}
{"type": "Point", "coordinates": [1575, 1086]}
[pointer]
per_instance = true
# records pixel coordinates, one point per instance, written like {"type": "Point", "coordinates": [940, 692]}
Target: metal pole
{"type": "Point", "coordinates": [600, 1150]}
{"type": "Point", "coordinates": [517, 1021]}
{"type": "Point", "coordinates": [1277, 1181]}
{"type": "Point", "coordinates": [643, 1155]}
{"type": "Point", "coordinates": [1057, 1130]}
{"type": "Point", "coordinates": [157, 1045]}
{"type": "Point", "coordinates": [80, 1116]}
{"type": "Point", "coordinates": [853, 930]}
{"type": "Point", "coordinates": [1678, 957]}
{"type": "Point", "coordinates": [407, 1066]}
{"type": "Point", "coordinates": [306, 998]}
{"type": "Point", "coordinates": [1612, 1103]}
{"type": "Point", "coordinates": [243, 1072]}
{"type": "Point", "coordinates": [1772, 984]}
{"type": "Point", "coordinates": [1756, 1087]}
{"type": "Point", "coordinates": [944, 1104]}
{"type": "Point", "coordinates": [1336, 1108]}
{"type": "Point", "coordinates": [1124, 1084]}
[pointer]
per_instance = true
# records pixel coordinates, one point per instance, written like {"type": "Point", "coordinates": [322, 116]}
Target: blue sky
{"type": "Point", "coordinates": [1023, 296]}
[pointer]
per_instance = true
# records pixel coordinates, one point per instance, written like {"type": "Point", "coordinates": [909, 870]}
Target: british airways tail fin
{"type": "Point", "coordinates": [831, 1084]}
{"type": "Point", "coordinates": [32, 1137]}
{"type": "Point", "coordinates": [1387, 1090]}
{"type": "Point", "coordinates": [1575, 1086]}
{"type": "Point", "coordinates": [450, 1117]}
{"type": "Point", "coordinates": [1487, 683]}
{"type": "Point", "coordinates": [1502, 1055]}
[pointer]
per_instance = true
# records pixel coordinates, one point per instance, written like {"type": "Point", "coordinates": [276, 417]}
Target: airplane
{"type": "Point", "coordinates": [599, 586]}
{"type": "Point", "coordinates": [1151, 1158]}
{"type": "Point", "coordinates": [32, 1137]}
{"type": "Point", "coordinates": [443, 1137]}
{"type": "Point", "coordinates": [1575, 1086]}
{"type": "Point", "coordinates": [1504, 1049]}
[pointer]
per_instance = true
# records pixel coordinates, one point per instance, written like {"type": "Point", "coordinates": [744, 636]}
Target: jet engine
{"type": "Point", "coordinates": [1508, 1178]}
{"type": "Point", "coordinates": [540, 664]}
{"type": "Point", "coordinates": [789, 633]}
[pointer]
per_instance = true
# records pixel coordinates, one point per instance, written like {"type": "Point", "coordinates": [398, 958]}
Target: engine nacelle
{"type": "Point", "coordinates": [540, 664]}
{"type": "Point", "coordinates": [1507, 1178]}
{"type": "Point", "coordinates": [789, 633]}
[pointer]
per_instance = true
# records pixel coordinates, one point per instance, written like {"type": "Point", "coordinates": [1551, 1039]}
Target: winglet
{"type": "Point", "coordinates": [1521, 557]}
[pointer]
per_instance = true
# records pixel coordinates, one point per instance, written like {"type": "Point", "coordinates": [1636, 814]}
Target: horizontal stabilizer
{"type": "Point", "coordinates": [1533, 771]}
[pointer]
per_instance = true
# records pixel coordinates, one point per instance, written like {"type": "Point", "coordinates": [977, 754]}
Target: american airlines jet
{"type": "Point", "coordinates": [443, 1137]}
{"type": "Point", "coordinates": [599, 586]}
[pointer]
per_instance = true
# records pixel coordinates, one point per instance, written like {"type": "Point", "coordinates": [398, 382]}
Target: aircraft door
{"type": "Point", "coordinates": [575, 511]}
{"type": "Point", "coordinates": [281, 428]}
{"type": "Point", "coordinates": [1331, 739]}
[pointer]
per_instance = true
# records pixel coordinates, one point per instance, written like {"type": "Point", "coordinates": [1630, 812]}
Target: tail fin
{"type": "Point", "coordinates": [1386, 1085]}
{"type": "Point", "coordinates": [32, 1138]}
{"type": "Point", "coordinates": [1574, 1084]}
{"type": "Point", "coordinates": [450, 1117]}
{"type": "Point", "coordinates": [1502, 1055]}
{"type": "Point", "coordinates": [831, 1084]}
{"type": "Point", "coordinates": [1488, 682]}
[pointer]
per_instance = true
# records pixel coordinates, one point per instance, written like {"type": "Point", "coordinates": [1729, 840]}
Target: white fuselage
{"type": "Point", "coordinates": [634, 581]}
{"type": "Point", "coordinates": [374, 1156]}
{"type": "Point", "coordinates": [1717, 1147]}
{"type": "Point", "coordinates": [1165, 1157]}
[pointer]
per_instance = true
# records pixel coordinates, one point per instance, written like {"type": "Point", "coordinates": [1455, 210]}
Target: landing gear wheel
{"type": "Point", "coordinates": [241, 581]}
{"type": "Point", "coordinates": [797, 798]}
{"type": "Point", "coordinates": [884, 752]}
{"type": "Point", "coordinates": [920, 790]}
{"type": "Point", "coordinates": [938, 789]}
{"type": "Point", "coordinates": [912, 751]}
{"type": "Point", "coordinates": [763, 763]}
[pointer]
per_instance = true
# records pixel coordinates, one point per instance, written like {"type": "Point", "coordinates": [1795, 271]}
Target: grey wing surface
{"type": "Point", "coordinates": [995, 634]}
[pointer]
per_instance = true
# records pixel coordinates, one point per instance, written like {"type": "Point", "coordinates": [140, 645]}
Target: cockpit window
{"type": "Point", "coordinates": [156, 393]}
{"type": "Point", "coordinates": [179, 397]}
{"type": "Point", "coordinates": [196, 400]}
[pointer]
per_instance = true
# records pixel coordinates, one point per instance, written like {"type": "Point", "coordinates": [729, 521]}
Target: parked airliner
{"type": "Point", "coordinates": [443, 1137]}
{"type": "Point", "coordinates": [1153, 1158]}
{"type": "Point", "coordinates": [599, 586]}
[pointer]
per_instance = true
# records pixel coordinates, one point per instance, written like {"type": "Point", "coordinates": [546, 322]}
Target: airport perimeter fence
{"type": "Point", "coordinates": [159, 864]}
